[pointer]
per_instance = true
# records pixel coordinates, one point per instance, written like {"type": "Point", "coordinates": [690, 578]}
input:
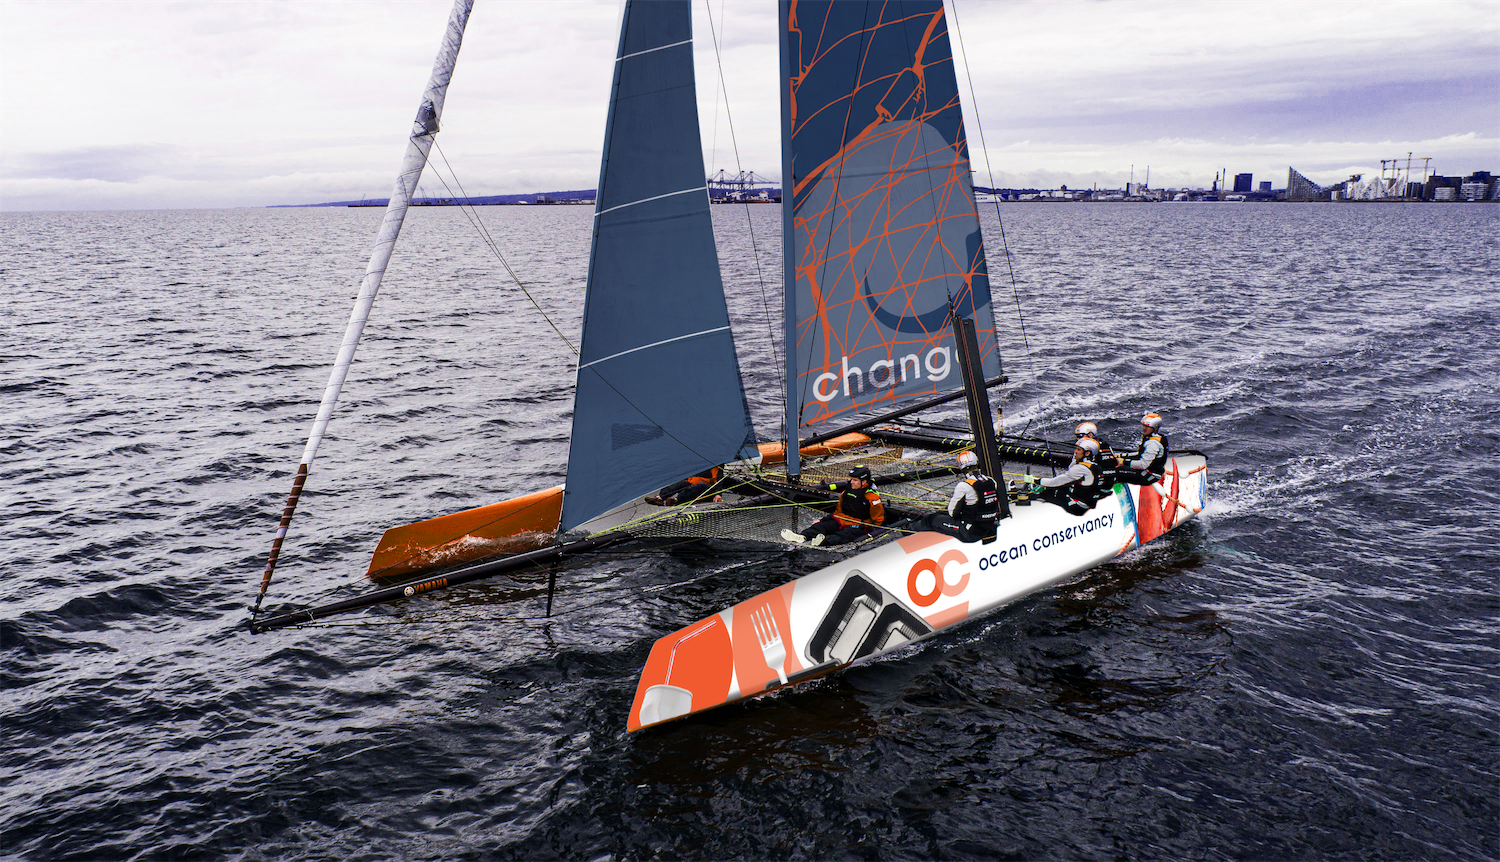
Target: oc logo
{"type": "Point", "coordinates": [940, 584]}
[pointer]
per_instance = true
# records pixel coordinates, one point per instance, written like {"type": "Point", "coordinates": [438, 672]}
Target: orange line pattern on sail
{"type": "Point", "coordinates": [885, 218]}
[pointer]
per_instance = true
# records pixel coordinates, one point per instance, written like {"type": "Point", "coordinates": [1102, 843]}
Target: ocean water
{"type": "Point", "coordinates": [1311, 670]}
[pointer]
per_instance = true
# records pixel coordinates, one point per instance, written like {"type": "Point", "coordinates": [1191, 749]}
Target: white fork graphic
{"type": "Point", "coordinates": [770, 640]}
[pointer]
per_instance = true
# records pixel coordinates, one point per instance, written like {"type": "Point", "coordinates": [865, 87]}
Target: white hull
{"type": "Point", "coordinates": [908, 590]}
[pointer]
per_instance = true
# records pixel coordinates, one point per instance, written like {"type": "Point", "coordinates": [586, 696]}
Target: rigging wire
{"type": "Point", "coordinates": [605, 380]}
{"type": "Point", "coordinates": [713, 146]}
{"type": "Point", "coordinates": [1004, 243]}
{"type": "Point", "coordinates": [614, 600]}
{"type": "Point", "coordinates": [668, 542]}
{"type": "Point", "coordinates": [470, 212]}
{"type": "Point", "coordinates": [760, 278]}
{"type": "Point", "coordinates": [835, 196]}
{"type": "Point", "coordinates": [927, 170]}
{"type": "Point", "coordinates": [489, 241]}
{"type": "Point", "coordinates": [576, 562]}
{"type": "Point", "coordinates": [667, 513]}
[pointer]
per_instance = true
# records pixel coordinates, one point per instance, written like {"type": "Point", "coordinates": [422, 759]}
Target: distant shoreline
{"type": "Point", "coordinates": [1436, 190]}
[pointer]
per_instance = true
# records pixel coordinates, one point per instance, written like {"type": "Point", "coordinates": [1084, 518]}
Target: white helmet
{"type": "Point", "coordinates": [1088, 445]}
{"type": "Point", "coordinates": [968, 460]}
{"type": "Point", "coordinates": [1152, 421]}
{"type": "Point", "coordinates": [1086, 429]}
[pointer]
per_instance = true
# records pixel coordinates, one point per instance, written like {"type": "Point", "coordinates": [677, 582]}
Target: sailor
{"type": "Point", "coordinates": [858, 509]}
{"type": "Point", "coordinates": [1106, 473]}
{"type": "Point", "coordinates": [1076, 488]}
{"type": "Point", "coordinates": [975, 508]}
{"type": "Point", "coordinates": [692, 488]}
{"type": "Point", "coordinates": [1150, 461]}
{"type": "Point", "coordinates": [1091, 431]}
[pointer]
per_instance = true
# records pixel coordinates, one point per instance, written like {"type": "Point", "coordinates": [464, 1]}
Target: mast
{"type": "Point", "coordinates": [419, 144]}
{"type": "Point", "coordinates": [788, 249]}
{"type": "Point", "coordinates": [970, 364]}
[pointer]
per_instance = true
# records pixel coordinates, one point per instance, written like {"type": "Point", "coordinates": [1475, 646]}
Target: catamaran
{"type": "Point", "coordinates": [888, 313]}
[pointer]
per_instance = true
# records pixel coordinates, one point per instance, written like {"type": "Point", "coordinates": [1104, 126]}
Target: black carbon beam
{"type": "Point", "coordinates": [464, 575]}
{"type": "Point", "coordinates": [1023, 451]}
{"type": "Point", "coordinates": [894, 414]}
{"type": "Point", "coordinates": [970, 365]}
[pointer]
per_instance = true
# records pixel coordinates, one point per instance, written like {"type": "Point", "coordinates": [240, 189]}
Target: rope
{"type": "Point", "coordinates": [778, 360]}
{"type": "Point", "coordinates": [474, 220]}
{"type": "Point", "coordinates": [1004, 242]}
{"type": "Point", "coordinates": [490, 242]}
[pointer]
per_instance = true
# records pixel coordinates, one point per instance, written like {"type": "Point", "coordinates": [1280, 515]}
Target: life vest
{"type": "Point", "coordinates": [859, 507]}
{"type": "Point", "coordinates": [1106, 452]}
{"type": "Point", "coordinates": [1106, 474]}
{"type": "Point", "coordinates": [980, 518]}
{"type": "Point", "coordinates": [707, 477]}
{"type": "Point", "coordinates": [1158, 464]}
{"type": "Point", "coordinates": [1081, 496]}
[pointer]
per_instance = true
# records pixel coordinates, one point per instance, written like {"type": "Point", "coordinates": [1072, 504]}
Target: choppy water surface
{"type": "Point", "coordinates": [1309, 671]}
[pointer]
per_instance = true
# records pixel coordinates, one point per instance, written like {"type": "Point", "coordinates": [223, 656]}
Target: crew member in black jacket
{"type": "Point", "coordinates": [858, 510]}
{"type": "Point", "coordinates": [974, 511]}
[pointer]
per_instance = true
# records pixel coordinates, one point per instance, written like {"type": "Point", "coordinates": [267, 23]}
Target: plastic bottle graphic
{"type": "Point", "coordinates": [665, 701]}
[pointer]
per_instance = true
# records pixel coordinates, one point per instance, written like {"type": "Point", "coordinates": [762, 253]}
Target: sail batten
{"type": "Point", "coordinates": [703, 188]}
{"type": "Point", "coordinates": [659, 394]}
{"type": "Point", "coordinates": [657, 48]}
{"type": "Point", "coordinates": [657, 344]}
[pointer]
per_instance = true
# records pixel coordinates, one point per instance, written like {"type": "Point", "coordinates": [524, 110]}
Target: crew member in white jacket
{"type": "Point", "coordinates": [1150, 461]}
{"type": "Point", "coordinates": [1074, 489]}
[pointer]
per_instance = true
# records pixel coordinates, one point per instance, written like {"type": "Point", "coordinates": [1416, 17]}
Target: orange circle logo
{"type": "Point", "coordinates": [940, 585]}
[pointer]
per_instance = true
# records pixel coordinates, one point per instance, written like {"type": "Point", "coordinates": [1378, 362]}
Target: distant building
{"type": "Point", "coordinates": [1242, 183]}
{"type": "Point", "coordinates": [1265, 185]}
{"type": "Point", "coordinates": [1440, 188]}
{"type": "Point", "coordinates": [1300, 188]}
{"type": "Point", "coordinates": [1357, 188]}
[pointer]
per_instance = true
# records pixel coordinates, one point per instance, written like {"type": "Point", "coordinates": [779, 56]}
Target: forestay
{"type": "Point", "coordinates": [659, 392]}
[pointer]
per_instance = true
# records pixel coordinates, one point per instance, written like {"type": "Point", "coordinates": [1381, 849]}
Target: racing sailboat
{"type": "Point", "coordinates": [887, 312]}
{"type": "Point", "coordinates": [878, 206]}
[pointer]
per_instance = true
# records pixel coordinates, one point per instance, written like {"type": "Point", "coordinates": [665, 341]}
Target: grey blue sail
{"type": "Point", "coordinates": [659, 393]}
{"type": "Point", "coordinates": [882, 229]}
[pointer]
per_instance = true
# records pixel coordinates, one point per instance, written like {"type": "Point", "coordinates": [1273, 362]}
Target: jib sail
{"type": "Point", "coordinates": [659, 392]}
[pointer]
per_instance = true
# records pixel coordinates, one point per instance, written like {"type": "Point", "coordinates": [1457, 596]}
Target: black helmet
{"type": "Point", "coordinates": [860, 472]}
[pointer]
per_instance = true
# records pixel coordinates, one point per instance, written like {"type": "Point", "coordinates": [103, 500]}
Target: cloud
{"type": "Point", "coordinates": [233, 103]}
{"type": "Point", "coordinates": [115, 164]}
{"type": "Point", "coordinates": [1193, 162]}
{"type": "Point", "coordinates": [1077, 93]}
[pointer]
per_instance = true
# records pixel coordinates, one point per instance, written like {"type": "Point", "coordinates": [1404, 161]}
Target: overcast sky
{"type": "Point", "coordinates": [120, 104]}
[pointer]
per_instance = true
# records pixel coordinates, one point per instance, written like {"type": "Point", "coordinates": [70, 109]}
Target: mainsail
{"type": "Point", "coordinates": [882, 233]}
{"type": "Point", "coordinates": [659, 393]}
